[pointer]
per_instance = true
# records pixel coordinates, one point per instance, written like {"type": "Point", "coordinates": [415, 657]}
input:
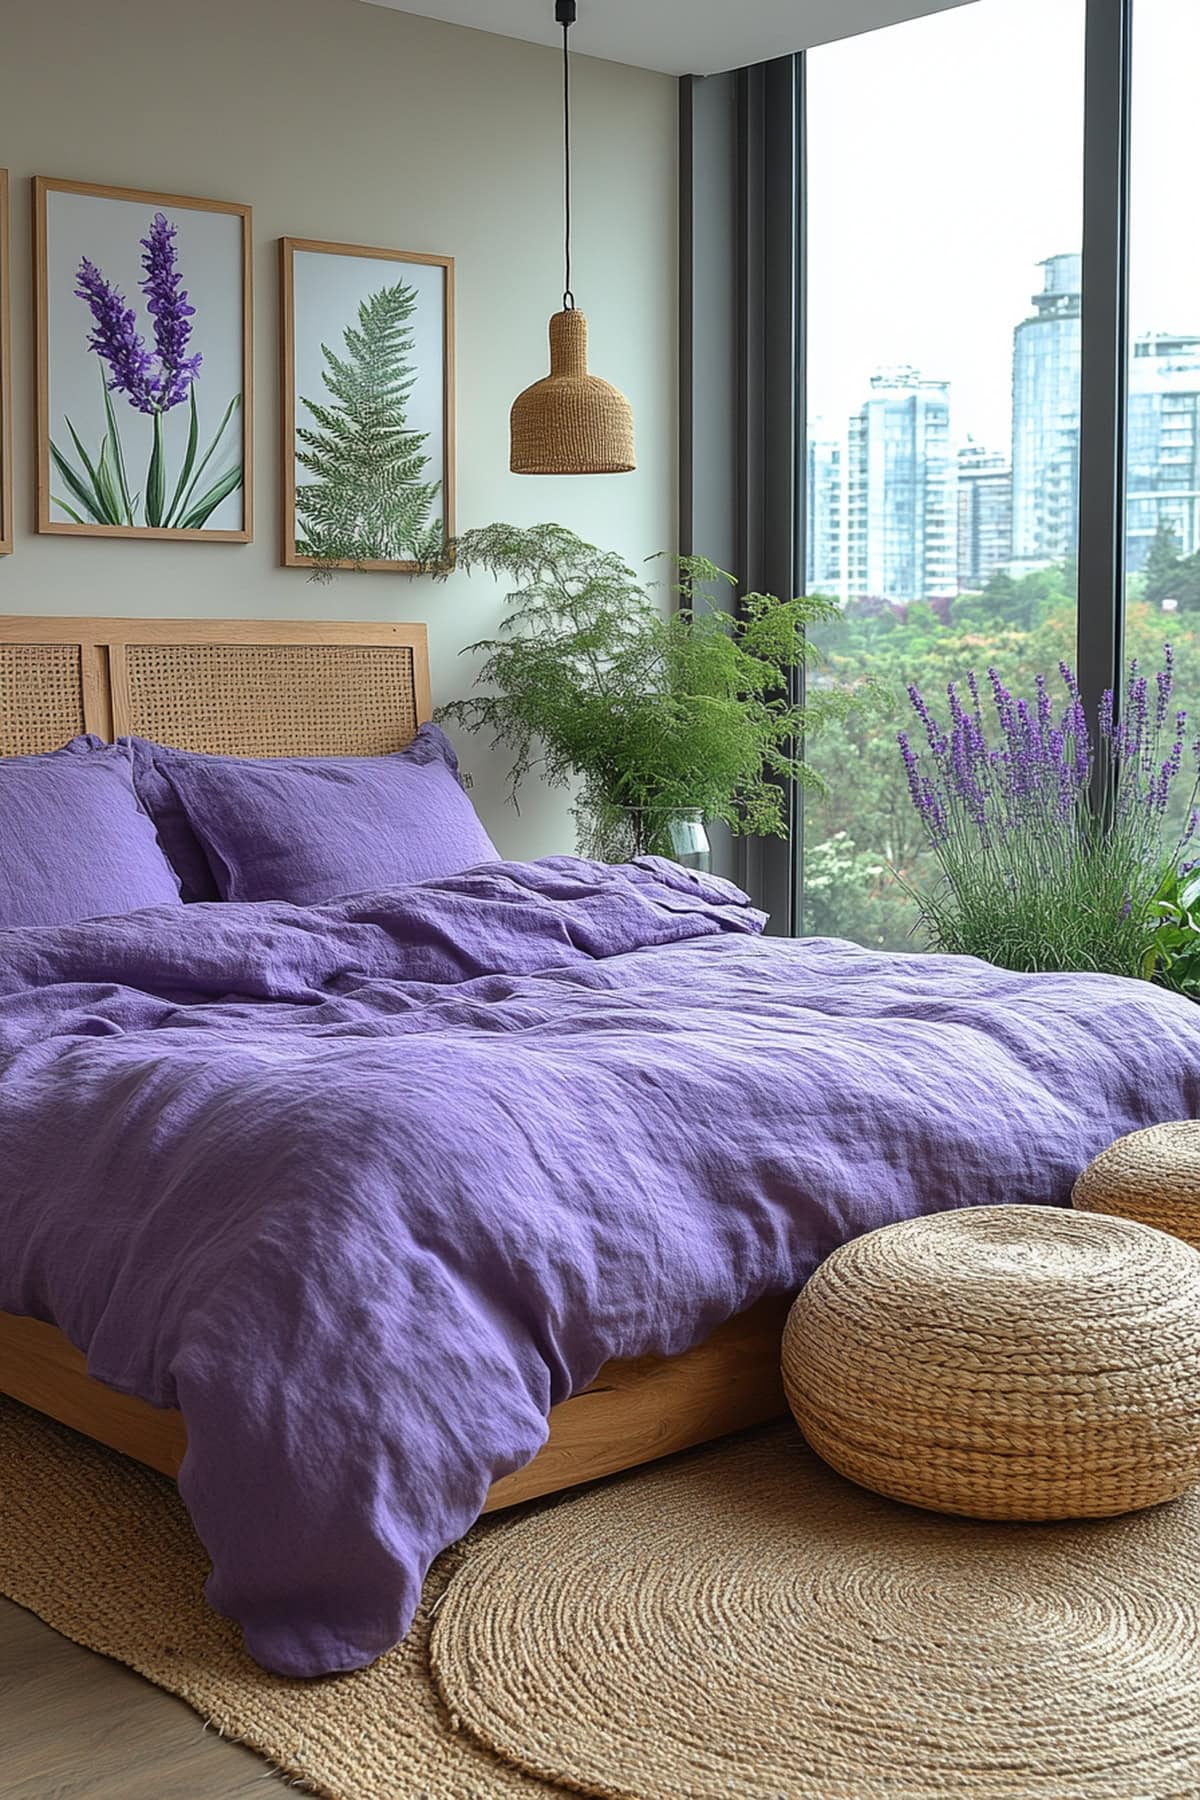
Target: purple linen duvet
{"type": "Point", "coordinates": [365, 1188]}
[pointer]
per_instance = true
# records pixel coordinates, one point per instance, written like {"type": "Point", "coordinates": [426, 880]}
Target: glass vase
{"type": "Point", "coordinates": [619, 833]}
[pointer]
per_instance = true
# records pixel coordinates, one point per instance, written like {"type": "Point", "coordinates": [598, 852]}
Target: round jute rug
{"type": "Point", "coordinates": [745, 1623]}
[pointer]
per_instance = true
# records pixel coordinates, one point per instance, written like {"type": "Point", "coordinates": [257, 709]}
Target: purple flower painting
{"type": "Point", "coordinates": [146, 357]}
{"type": "Point", "coordinates": [167, 304]}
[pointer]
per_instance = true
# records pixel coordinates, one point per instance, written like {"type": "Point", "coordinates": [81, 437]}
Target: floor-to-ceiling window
{"type": "Point", "coordinates": [942, 351]}
{"type": "Point", "coordinates": [1162, 508]}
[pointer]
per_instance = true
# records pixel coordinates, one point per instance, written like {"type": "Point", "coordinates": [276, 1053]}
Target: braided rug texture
{"type": "Point", "coordinates": [102, 1550]}
{"type": "Point", "coordinates": [1152, 1175]}
{"type": "Point", "coordinates": [745, 1625]}
{"type": "Point", "coordinates": [1006, 1362]}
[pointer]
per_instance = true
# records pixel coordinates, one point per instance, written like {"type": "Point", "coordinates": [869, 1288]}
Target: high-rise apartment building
{"type": "Point", "coordinates": [984, 516]}
{"type": "Point", "coordinates": [1163, 436]}
{"type": "Point", "coordinates": [893, 514]}
{"type": "Point", "coordinates": [1045, 420]}
{"type": "Point", "coordinates": [825, 536]}
{"type": "Point", "coordinates": [901, 515]}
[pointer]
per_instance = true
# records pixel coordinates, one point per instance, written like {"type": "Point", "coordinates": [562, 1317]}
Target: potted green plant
{"type": "Point", "coordinates": [664, 718]}
{"type": "Point", "coordinates": [1034, 874]}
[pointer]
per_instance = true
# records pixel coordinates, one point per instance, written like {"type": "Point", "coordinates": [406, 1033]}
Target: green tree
{"type": "Point", "coordinates": [370, 500]}
{"type": "Point", "coordinates": [862, 830]}
{"type": "Point", "coordinates": [1161, 574]}
{"type": "Point", "coordinates": [1187, 583]}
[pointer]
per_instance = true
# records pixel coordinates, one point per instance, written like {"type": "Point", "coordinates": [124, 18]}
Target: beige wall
{"type": "Point", "coordinates": [343, 121]}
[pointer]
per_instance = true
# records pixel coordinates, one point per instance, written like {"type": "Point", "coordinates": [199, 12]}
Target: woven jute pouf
{"type": "Point", "coordinates": [1007, 1362]}
{"type": "Point", "coordinates": [1152, 1175]}
{"type": "Point", "coordinates": [744, 1624]}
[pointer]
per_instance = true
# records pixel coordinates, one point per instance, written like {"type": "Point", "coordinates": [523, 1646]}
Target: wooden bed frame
{"type": "Point", "coordinates": [274, 688]}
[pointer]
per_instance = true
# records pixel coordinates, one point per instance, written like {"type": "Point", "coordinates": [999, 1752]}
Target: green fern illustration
{"type": "Point", "coordinates": [369, 501]}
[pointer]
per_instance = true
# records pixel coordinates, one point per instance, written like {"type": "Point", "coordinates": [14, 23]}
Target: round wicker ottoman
{"type": "Point", "coordinates": [1152, 1175]}
{"type": "Point", "coordinates": [1005, 1362]}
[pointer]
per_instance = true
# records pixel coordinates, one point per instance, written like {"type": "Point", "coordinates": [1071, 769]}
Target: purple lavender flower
{"type": "Point", "coordinates": [1016, 813]}
{"type": "Point", "coordinates": [1106, 716]}
{"type": "Point", "coordinates": [116, 340]}
{"type": "Point", "coordinates": [1003, 700]}
{"type": "Point", "coordinates": [923, 793]}
{"type": "Point", "coordinates": [933, 813]}
{"type": "Point", "coordinates": [1076, 732]}
{"type": "Point", "coordinates": [1163, 681]}
{"type": "Point", "coordinates": [910, 767]}
{"type": "Point", "coordinates": [167, 304]}
{"type": "Point", "coordinates": [937, 743]}
{"type": "Point", "coordinates": [1132, 736]}
{"type": "Point", "coordinates": [115, 337]}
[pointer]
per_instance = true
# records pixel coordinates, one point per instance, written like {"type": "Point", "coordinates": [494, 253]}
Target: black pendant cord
{"type": "Point", "coordinates": [564, 12]}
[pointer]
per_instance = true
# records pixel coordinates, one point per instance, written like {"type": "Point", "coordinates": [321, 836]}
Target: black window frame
{"type": "Point", "coordinates": [743, 279]}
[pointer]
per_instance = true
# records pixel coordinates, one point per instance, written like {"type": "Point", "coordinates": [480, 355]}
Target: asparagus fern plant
{"type": "Point", "coordinates": [370, 499]}
{"type": "Point", "coordinates": [652, 713]}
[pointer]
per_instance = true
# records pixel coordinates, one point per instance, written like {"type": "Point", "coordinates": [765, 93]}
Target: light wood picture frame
{"type": "Point", "coordinates": [343, 308]}
{"type": "Point", "coordinates": [6, 441]}
{"type": "Point", "coordinates": [143, 314]}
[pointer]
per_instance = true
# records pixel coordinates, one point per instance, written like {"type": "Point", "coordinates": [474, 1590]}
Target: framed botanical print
{"type": "Point", "coordinates": [144, 386]}
{"type": "Point", "coordinates": [368, 406]}
{"type": "Point", "coordinates": [6, 487]}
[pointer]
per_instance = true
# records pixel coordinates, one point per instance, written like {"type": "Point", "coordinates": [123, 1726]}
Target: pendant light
{"type": "Point", "coordinates": [570, 422]}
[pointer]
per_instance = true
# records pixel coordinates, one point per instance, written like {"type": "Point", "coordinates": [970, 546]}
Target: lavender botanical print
{"type": "Point", "coordinates": [143, 304]}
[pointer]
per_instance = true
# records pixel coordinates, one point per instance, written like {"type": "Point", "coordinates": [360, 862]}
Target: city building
{"type": "Point", "coordinates": [825, 529]}
{"type": "Point", "coordinates": [1045, 420]}
{"type": "Point", "coordinates": [985, 515]}
{"type": "Point", "coordinates": [901, 517]}
{"type": "Point", "coordinates": [893, 514]}
{"type": "Point", "coordinates": [1163, 436]}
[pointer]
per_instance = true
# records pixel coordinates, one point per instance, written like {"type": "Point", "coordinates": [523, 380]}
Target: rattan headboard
{"type": "Point", "coordinates": [237, 687]}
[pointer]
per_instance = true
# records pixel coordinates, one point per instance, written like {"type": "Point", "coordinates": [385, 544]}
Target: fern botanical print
{"type": "Point", "coordinates": [371, 498]}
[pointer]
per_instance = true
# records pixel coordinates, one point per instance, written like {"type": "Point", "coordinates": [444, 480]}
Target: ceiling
{"type": "Point", "coordinates": [679, 37]}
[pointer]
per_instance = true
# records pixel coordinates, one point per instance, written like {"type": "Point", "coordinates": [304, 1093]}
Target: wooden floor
{"type": "Point", "coordinates": [75, 1726]}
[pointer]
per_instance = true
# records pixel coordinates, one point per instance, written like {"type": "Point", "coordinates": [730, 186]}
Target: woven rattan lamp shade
{"type": "Point", "coordinates": [570, 422]}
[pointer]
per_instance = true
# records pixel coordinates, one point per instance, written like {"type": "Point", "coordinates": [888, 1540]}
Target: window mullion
{"type": "Point", "coordinates": [1104, 347]}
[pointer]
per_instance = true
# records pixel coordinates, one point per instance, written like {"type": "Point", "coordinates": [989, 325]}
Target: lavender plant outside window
{"type": "Point", "coordinates": [1033, 875]}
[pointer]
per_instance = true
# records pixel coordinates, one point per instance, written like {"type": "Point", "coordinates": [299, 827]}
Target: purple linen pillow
{"type": "Point", "coordinates": [158, 799]}
{"type": "Point", "coordinates": [180, 845]}
{"type": "Point", "coordinates": [308, 829]}
{"type": "Point", "coordinates": [73, 842]}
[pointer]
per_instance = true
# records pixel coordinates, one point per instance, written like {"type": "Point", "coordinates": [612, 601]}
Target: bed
{"type": "Point", "coordinates": [450, 1195]}
{"type": "Point", "coordinates": [281, 688]}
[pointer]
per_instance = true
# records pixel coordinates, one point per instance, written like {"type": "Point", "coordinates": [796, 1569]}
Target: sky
{"type": "Point", "coordinates": [945, 163]}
